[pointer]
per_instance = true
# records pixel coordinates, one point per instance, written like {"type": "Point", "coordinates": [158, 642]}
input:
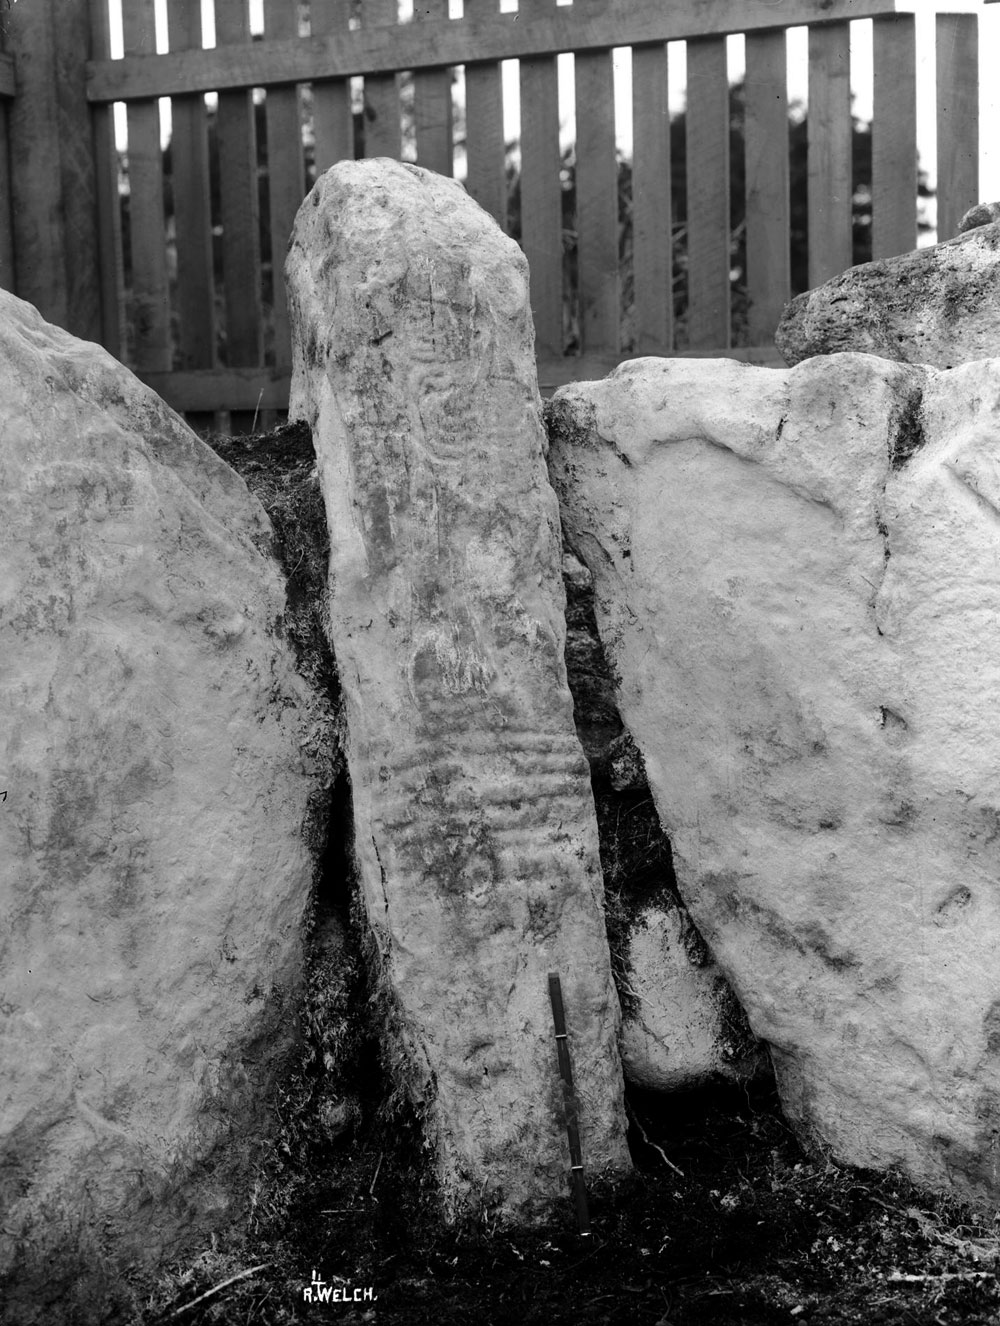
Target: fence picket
{"type": "Point", "coordinates": [708, 193]}
{"type": "Point", "coordinates": [957, 45]}
{"type": "Point", "coordinates": [767, 201]}
{"type": "Point", "coordinates": [383, 126]}
{"type": "Point", "coordinates": [894, 136]}
{"type": "Point", "coordinates": [7, 281]}
{"type": "Point", "coordinates": [286, 175]}
{"type": "Point", "coordinates": [432, 103]}
{"type": "Point", "coordinates": [541, 189]}
{"type": "Point", "coordinates": [829, 146]}
{"type": "Point", "coordinates": [333, 121]}
{"type": "Point", "coordinates": [192, 218]}
{"type": "Point", "coordinates": [150, 304]}
{"type": "Point", "coordinates": [484, 144]}
{"type": "Point", "coordinates": [240, 209]}
{"type": "Point", "coordinates": [652, 208]}
{"type": "Point", "coordinates": [596, 202]}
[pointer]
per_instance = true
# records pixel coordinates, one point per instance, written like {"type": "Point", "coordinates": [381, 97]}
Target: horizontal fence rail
{"type": "Point", "coordinates": [687, 247]}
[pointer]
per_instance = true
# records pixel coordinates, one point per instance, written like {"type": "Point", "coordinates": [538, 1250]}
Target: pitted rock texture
{"type": "Point", "coordinates": [935, 306]}
{"type": "Point", "coordinates": [798, 583]}
{"type": "Point", "coordinates": [983, 214]}
{"type": "Point", "coordinates": [684, 1029]}
{"type": "Point", "coordinates": [153, 875]}
{"type": "Point", "coordinates": [474, 823]}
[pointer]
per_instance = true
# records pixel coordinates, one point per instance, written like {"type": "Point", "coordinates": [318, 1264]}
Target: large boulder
{"type": "Point", "coordinates": [153, 874]}
{"type": "Point", "coordinates": [939, 305]}
{"type": "Point", "coordinates": [798, 583]}
{"type": "Point", "coordinates": [475, 831]}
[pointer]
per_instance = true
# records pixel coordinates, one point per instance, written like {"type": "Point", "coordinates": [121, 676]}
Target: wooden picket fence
{"type": "Point", "coordinates": [210, 346]}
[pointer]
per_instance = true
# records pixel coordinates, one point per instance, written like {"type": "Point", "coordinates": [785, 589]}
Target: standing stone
{"type": "Point", "coordinates": [474, 822]}
{"type": "Point", "coordinates": [939, 305]}
{"type": "Point", "coordinates": [153, 875]}
{"type": "Point", "coordinates": [797, 578]}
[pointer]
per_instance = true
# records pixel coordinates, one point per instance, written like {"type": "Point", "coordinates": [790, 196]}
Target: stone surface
{"type": "Point", "coordinates": [938, 305]}
{"type": "Point", "coordinates": [153, 874]}
{"type": "Point", "coordinates": [474, 823]}
{"type": "Point", "coordinates": [797, 580]}
{"type": "Point", "coordinates": [983, 214]}
{"type": "Point", "coordinates": [684, 1028]}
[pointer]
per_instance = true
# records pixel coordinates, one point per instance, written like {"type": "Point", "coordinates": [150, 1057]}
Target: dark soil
{"type": "Point", "coordinates": [725, 1222]}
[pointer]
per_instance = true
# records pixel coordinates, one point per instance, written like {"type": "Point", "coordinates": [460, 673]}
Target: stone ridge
{"type": "Point", "coordinates": [474, 821]}
{"type": "Point", "coordinates": [933, 306]}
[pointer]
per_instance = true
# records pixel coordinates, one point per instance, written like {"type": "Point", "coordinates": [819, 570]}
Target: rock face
{"type": "Point", "coordinates": [797, 582]}
{"type": "Point", "coordinates": [685, 1028]}
{"type": "Point", "coordinates": [937, 306]}
{"type": "Point", "coordinates": [474, 823]}
{"type": "Point", "coordinates": [152, 870]}
{"type": "Point", "coordinates": [681, 1024]}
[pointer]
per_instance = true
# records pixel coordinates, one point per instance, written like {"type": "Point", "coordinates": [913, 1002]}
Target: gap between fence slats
{"type": "Point", "coordinates": [957, 46]}
{"type": "Point", "coordinates": [286, 175]}
{"type": "Point", "coordinates": [894, 136]}
{"type": "Point", "coordinates": [767, 200]}
{"type": "Point", "coordinates": [432, 103]}
{"type": "Point", "coordinates": [333, 120]}
{"type": "Point", "coordinates": [541, 189]}
{"type": "Point", "coordinates": [829, 148]}
{"type": "Point", "coordinates": [110, 266]}
{"type": "Point", "coordinates": [192, 217]}
{"type": "Point", "coordinates": [150, 304]}
{"type": "Point", "coordinates": [596, 202]}
{"type": "Point", "coordinates": [240, 209]}
{"type": "Point", "coordinates": [652, 208]}
{"type": "Point", "coordinates": [383, 125]}
{"type": "Point", "coordinates": [707, 122]}
{"type": "Point", "coordinates": [484, 143]}
{"type": "Point", "coordinates": [496, 36]}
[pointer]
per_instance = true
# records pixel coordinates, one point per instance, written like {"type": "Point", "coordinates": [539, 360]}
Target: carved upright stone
{"type": "Point", "coordinates": [797, 579]}
{"type": "Point", "coordinates": [939, 306]}
{"type": "Point", "coordinates": [474, 824]}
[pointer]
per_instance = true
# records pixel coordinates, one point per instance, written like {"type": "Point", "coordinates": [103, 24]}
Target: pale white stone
{"type": "Point", "coordinates": [474, 823]}
{"type": "Point", "coordinates": [797, 577]}
{"type": "Point", "coordinates": [682, 1030]}
{"type": "Point", "coordinates": [152, 870]}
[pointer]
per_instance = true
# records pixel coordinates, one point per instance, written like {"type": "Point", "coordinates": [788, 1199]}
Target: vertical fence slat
{"type": "Point", "coordinates": [286, 174]}
{"type": "Point", "coordinates": [6, 215]}
{"type": "Point", "coordinates": [829, 147]}
{"type": "Point", "coordinates": [894, 136]}
{"type": "Point", "coordinates": [708, 193]}
{"type": "Point", "coordinates": [957, 44]}
{"type": "Point", "coordinates": [652, 210]}
{"type": "Point", "coordinates": [240, 208]}
{"type": "Point", "coordinates": [541, 191]}
{"type": "Point", "coordinates": [432, 104]}
{"type": "Point", "coordinates": [383, 126]}
{"type": "Point", "coordinates": [52, 172]}
{"type": "Point", "coordinates": [192, 218]}
{"type": "Point", "coordinates": [6, 218]}
{"type": "Point", "coordinates": [333, 121]}
{"type": "Point", "coordinates": [767, 201]}
{"type": "Point", "coordinates": [109, 215]}
{"type": "Point", "coordinates": [150, 306]}
{"type": "Point", "coordinates": [596, 202]}
{"type": "Point", "coordinates": [484, 145]}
